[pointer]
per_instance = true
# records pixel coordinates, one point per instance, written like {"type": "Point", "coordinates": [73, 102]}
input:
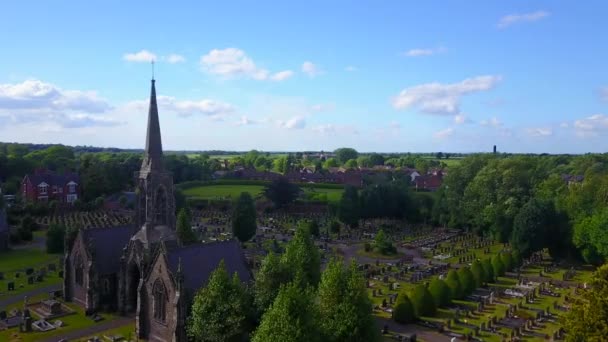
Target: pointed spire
{"type": "Point", "coordinates": [154, 150]}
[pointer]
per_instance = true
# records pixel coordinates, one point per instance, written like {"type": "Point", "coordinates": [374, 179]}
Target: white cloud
{"type": "Point", "coordinates": [444, 133]}
{"type": "Point", "coordinates": [184, 108]}
{"type": "Point", "coordinates": [493, 122]}
{"type": "Point", "coordinates": [442, 99]}
{"type": "Point", "coordinates": [564, 125]}
{"type": "Point", "coordinates": [351, 68]}
{"type": "Point", "coordinates": [310, 69]}
{"type": "Point", "coordinates": [322, 107]}
{"type": "Point", "coordinates": [140, 57]}
{"type": "Point", "coordinates": [424, 52]}
{"type": "Point", "coordinates": [591, 126]}
{"type": "Point", "coordinates": [511, 19]}
{"type": "Point", "coordinates": [461, 119]}
{"type": "Point", "coordinates": [282, 75]}
{"type": "Point", "coordinates": [325, 129]}
{"type": "Point", "coordinates": [234, 63]}
{"type": "Point", "coordinates": [175, 58]}
{"type": "Point", "coordinates": [245, 121]}
{"type": "Point", "coordinates": [539, 132]}
{"type": "Point", "coordinates": [38, 95]}
{"type": "Point", "coordinates": [297, 122]}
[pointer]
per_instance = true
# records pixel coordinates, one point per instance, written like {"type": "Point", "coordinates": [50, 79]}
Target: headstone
{"type": "Point", "coordinates": [30, 280]}
{"type": "Point", "coordinates": [10, 286]}
{"type": "Point", "coordinates": [29, 271]}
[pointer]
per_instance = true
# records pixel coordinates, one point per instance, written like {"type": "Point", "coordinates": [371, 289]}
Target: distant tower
{"type": "Point", "coordinates": [494, 149]}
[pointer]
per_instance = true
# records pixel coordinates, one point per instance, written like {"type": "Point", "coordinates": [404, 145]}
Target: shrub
{"type": "Point", "coordinates": [453, 282]}
{"type": "Point", "coordinates": [403, 312]}
{"type": "Point", "coordinates": [424, 304]}
{"type": "Point", "coordinates": [467, 280]}
{"type": "Point", "coordinates": [440, 292]}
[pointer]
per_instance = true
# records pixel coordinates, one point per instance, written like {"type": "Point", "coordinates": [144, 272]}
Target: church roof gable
{"type": "Point", "coordinates": [108, 244]}
{"type": "Point", "coordinates": [200, 260]}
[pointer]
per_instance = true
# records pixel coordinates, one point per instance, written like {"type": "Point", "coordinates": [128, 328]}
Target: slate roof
{"type": "Point", "coordinates": [52, 178]}
{"type": "Point", "coordinates": [107, 246]}
{"type": "Point", "coordinates": [200, 260]}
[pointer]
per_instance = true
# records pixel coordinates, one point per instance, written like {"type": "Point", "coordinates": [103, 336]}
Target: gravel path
{"type": "Point", "coordinates": [92, 330]}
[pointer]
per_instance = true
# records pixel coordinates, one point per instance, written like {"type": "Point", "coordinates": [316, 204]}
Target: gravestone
{"type": "Point", "coordinates": [30, 280]}
{"type": "Point", "coordinates": [10, 286]}
{"type": "Point", "coordinates": [29, 271]}
{"type": "Point", "coordinates": [2, 315]}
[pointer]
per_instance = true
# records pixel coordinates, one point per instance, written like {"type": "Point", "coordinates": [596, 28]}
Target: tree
{"type": "Point", "coordinates": [591, 236]}
{"type": "Point", "coordinates": [351, 164]}
{"type": "Point", "coordinates": [334, 227]}
{"type": "Point", "coordinates": [376, 159]}
{"type": "Point", "coordinates": [268, 281]}
{"type": "Point", "coordinates": [453, 282]}
{"type": "Point", "coordinates": [588, 317]}
{"type": "Point", "coordinates": [302, 258]}
{"type": "Point", "coordinates": [498, 267]}
{"type": "Point", "coordinates": [348, 208]}
{"type": "Point", "coordinates": [440, 292]}
{"type": "Point", "coordinates": [344, 306]}
{"type": "Point", "coordinates": [383, 245]}
{"type": "Point", "coordinates": [424, 304]}
{"type": "Point", "coordinates": [281, 192]}
{"type": "Point", "coordinates": [293, 317]}
{"type": "Point", "coordinates": [467, 280]}
{"type": "Point", "coordinates": [344, 154]}
{"type": "Point", "coordinates": [54, 239]}
{"type": "Point", "coordinates": [403, 311]}
{"type": "Point", "coordinates": [478, 273]}
{"type": "Point", "coordinates": [507, 260]}
{"type": "Point", "coordinates": [330, 162]}
{"type": "Point", "coordinates": [312, 226]}
{"type": "Point", "coordinates": [244, 218]}
{"type": "Point", "coordinates": [220, 309]}
{"type": "Point", "coordinates": [26, 228]}
{"type": "Point", "coordinates": [530, 228]}
{"type": "Point", "coordinates": [184, 228]}
{"type": "Point", "coordinates": [488, 269]}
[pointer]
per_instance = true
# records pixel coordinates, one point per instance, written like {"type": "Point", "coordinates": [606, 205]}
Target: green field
{"type": "Point", "coordinates": [20, 259]}
{"type": "Point", "coordinates": [233, 191]}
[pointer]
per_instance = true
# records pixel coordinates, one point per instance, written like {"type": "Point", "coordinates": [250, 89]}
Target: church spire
{"type": "Point", "coordinates": [154, 150]}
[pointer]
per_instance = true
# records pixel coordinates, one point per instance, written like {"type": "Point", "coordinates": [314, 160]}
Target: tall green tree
{"type": "Point", "coordinates": [530, 228]}
{"type": "Point", "coordinates": [220, 310]}
{"type": "Point", "coordinates": [293, 317]}
{"type": "Point", "coordinates": [268, 281]}
{"type": "Point", "coordinates": [184, 227]}
{"type": "Point", "coordinates": [440, 292]}
{"type": "Point", "coordinates": [423, 301]}
{"type": "Point", "coordinates": [344, 306]}
{"type": "Point", "coordinates": [588, 318]}
{"type": "Point", "coordinates": [302, 258]}
{"type": "Point", "coordinates": [478, 273]}
{"type": "Point", "coordinates": [244, 217]}
{"type": "Point", "coordinates": [453, 282]}
{"type": "Point", "coordinates": [345, 154]}
{"type": "Point", "coordinates": [382, 244]}
{"type": "Point", "coordinates": [403, 311]}
{"type": "Point", "coordinates": [498, 267]}
{"type": "Point", "coordinates": [55, 236]}
{"type": "Point", "coordinates": [281, 192]}
{"type": "Point", "coordinates": [348, 208]}
{"type": "Point", "coordinates": [488, 270]}
{"type": "Point", "coordinates": [467, 280]}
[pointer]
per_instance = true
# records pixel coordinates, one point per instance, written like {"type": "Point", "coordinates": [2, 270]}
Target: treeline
{"type": "Point", "coordinates": [534, 202]}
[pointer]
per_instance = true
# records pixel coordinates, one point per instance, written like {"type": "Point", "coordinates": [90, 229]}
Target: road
{"type": "Point", "coordinates": [19, 297]}
{"type": "Point", "coordinates": [92, 330]}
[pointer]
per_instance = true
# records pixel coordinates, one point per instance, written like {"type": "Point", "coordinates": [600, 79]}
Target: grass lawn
{"type": "Point", "coordinates": [222, 191]}
{"type": "Point", "coordinates": [233, 191]}
{"type": "Point", "coordinates": [20, 259]}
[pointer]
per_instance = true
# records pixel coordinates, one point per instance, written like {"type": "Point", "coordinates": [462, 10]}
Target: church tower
{"type": "Point", "coordinates": [155, 203]}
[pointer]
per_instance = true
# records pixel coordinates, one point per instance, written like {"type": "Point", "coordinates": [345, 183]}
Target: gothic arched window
{"type": "Point", "coordinates": [78, 270]}
{"type": "Point", "coordinates": [159, 304]}
{"type": "Point", "coordinates": [161, 206]}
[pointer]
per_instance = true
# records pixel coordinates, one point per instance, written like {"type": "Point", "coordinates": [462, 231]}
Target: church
{"type": "Point", "coordinates": [143, 269]}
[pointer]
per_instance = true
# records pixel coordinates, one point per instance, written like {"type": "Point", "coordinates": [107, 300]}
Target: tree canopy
{"type": "Point", "coordinates": [244, 222]}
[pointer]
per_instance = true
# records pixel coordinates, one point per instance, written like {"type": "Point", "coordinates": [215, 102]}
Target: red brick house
{"type": "Point", "coordinates": [46, 186]}
{"type": "Point", "coordinates": [428, 182]}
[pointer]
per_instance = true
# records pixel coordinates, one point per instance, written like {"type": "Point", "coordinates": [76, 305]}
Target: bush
{"type": "Point", "coordinates": [489, 270]}
{"type": "Point", "coordinates": [424, 304]}
{"type": "Point", "coordinates": [403, 312]}
{"type": "Point", "coordinates": [440, 292]}
{"type": "Point", "coordinates": [467, 280]}
{"type": "Point", "coordinates": [453, 282]}
{"type": "Point", "coordinates": [382, 244]}
{"type": "Point", "coordinates": [478, 273]}
{"type": "Point", "coordinates": [507, 261]}
{"type": "Point", "coordinates": [497, 266]}
{"type": "Point", "coordinates": [55, 238]}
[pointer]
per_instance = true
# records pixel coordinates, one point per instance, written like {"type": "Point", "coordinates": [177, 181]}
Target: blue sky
{"type": "Point", "coordinates": [390, 76]}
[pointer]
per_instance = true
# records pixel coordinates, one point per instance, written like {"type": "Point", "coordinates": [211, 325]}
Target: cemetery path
{"type": "Point", "coordinates": [38, 242]}
{"type": "Point", "coordinates": [19, 297]}
{"type": "Point", "coordinates": [103, 326]}
{"type": "Point", "coordinates": [422, 333]}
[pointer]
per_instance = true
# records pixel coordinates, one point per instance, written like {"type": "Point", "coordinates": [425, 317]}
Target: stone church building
{"type": "Point", "coordinates": [143, 269]}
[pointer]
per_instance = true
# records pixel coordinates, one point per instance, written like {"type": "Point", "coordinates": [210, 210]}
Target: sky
{"type": "Point", "coordinates": [385, 76]}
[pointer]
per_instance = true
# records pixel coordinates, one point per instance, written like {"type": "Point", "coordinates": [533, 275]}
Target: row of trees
{"type": "Point", "coordinates": [424, 299]}
{"type": "Point", "coordinates": [534, 202]}
{"type": "Point", "coordinates": [290, 301]}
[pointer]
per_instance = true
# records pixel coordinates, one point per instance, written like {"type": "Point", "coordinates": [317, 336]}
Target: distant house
{"type": "Point", "coordinates": [573, 179]}
{"type": "Point", "coordinates": [428, 182]}
{"type": "Point", "coordinates": [46, 186]}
